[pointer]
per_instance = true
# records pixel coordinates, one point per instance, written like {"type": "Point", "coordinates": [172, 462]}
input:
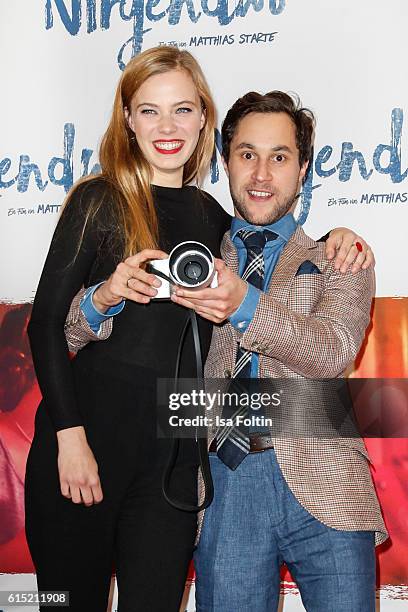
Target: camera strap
{"type": "Point", "coordinates": [191, 321]}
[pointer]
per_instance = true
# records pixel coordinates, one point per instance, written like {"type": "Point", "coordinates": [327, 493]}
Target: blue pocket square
{"type": "Point", "coordinates": [307, 267]}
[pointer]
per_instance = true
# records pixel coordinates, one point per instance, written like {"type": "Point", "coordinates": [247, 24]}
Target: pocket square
{"type": "Point", "coordinates": [307, 267]}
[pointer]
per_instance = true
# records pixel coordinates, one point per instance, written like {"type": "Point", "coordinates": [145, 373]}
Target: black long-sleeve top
{"type": "Point", "coordinates": [144, 341]}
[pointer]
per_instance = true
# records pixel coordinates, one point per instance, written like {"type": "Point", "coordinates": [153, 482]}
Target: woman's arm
{"type": "Point", "coordinates": [72, 253]}
{"type": "Point", "coordinates": [65, 270]}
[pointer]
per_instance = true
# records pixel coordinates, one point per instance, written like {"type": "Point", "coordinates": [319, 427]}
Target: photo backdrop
{"type": "Point", "coordinates": [61, 60]}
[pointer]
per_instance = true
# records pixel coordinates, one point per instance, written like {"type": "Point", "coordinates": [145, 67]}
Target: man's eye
{"type": "Point", "coordinates": [279, 158]}
{"type": "Point", "coordinates": [248, 155]}
{"type": "Point", "coordinates": [184, 109]}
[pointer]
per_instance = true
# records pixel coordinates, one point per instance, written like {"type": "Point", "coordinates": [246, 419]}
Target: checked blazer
{"type": "Point", "coordinates": [310, 326]}
{"type": "Point", "coordinates": [306, 326]}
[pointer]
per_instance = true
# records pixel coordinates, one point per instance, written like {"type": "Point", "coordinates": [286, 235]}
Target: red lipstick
{"type": "Point", "coordinates": [168, 147]}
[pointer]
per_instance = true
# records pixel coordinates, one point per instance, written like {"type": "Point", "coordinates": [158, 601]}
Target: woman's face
{"type": "Point", "coordinates": [166, 118]}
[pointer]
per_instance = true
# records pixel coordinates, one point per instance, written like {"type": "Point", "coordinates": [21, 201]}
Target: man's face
{"type": "Point", "coordinates": [263, 168]}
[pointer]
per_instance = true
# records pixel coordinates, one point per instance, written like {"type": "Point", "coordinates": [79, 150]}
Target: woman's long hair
{"type": "Point", "coordinates": [123, 164]}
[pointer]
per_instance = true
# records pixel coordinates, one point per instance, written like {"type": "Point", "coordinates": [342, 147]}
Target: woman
{"type": "Point", "coordinates": [102, 404]}
{"type": "Point", "coordinates": [93, 483]}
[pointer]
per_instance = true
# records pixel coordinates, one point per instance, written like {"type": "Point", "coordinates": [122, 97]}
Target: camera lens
{"type": "Point", "coordinates": [193, 270]}
{"type": "Point", "coordinates": [191, 264]}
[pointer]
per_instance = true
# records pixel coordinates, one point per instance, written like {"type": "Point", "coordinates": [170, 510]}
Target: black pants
{"type": "Point", "coordinates": [133, 530]}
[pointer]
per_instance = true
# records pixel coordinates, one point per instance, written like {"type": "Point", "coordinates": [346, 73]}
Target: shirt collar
{"type": "Point", "coordinates": [285, 227]}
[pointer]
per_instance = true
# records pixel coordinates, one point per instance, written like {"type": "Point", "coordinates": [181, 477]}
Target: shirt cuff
{"type": "Point", "coordinates": [244, 314]}
{"type": "Point", "coordinates": [92, 314]}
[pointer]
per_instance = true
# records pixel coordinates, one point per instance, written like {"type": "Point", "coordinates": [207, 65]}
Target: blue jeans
{"type": "Point", "coordinates": [254, 525]}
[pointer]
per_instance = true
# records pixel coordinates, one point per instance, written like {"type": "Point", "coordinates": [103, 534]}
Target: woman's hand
{"type": "Point", "coordinates": [129, 281]}
{"type": "Point", "coordinates": [342, 245]}
{"type": "Point", "coordinates": [77, 467]}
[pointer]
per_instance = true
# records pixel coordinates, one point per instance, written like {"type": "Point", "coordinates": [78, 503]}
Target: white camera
{"type": "Point", "coordinates": [190, 265]}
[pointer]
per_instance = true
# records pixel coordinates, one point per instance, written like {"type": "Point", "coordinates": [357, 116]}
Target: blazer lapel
{"type": "Point", "coordinates": [296, 251]}
{"type": "Point", "coordinates": [229, 253]}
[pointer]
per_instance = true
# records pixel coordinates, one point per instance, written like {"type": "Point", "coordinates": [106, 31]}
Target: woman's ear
{"type": "Point", "coordinates": [128, 118]}
{"type": "Point", "coordinates": [203, 118]}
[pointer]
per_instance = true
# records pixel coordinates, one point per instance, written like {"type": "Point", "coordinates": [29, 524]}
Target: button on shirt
{"type": "Point", "coordinates": [243, 316]}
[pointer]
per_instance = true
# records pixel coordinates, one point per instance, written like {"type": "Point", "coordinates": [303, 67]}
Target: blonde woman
{"type": "Point", "coordinates": [93, 482]}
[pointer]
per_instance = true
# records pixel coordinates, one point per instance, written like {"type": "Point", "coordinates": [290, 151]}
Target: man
{"type": "Point", "coordinates": [307, 502]}
{"type": "Point", "coordinates": [283, 311]}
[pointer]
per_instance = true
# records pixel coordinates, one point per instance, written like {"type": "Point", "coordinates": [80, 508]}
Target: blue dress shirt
{"type": "Point", "coordinates": [92, 314]}
{"type": "Point", "coordinates": [243, 316]}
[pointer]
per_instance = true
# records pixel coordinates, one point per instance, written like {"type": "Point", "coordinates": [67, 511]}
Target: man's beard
{"type": "Point", "coordinates": [280, 208]}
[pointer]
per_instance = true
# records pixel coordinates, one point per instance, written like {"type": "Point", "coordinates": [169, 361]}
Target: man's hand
{"type": "Point", "coordinates": [77, 467]}
{"type": "Point", "coordinates": [342, 245]}
{"type": "Point", "coordinates": [129, 281]}
{"type": "Point", "coordinates": [215, 304]}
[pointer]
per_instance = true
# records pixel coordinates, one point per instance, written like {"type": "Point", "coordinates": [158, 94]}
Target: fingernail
{"type": "Point", "coordinates": [157, 283]}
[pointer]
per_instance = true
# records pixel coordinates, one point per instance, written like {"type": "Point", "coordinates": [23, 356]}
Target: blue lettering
{"type": "Point", "coordinates": [150, 5]}
{"type": "Point", "coordinates": [348, 157]}
{"type": "Point", "coordinates": [243, 7]}
{"type": "Point", "coordinates": [90, 16]}
{"type": "Point", "coordinates": [25, 170]}
{"type": "Point", "coordinates": [277, 6]}
{"type": "Point", "coordinates": [106, 9]}
{"type": "Point", "coordinates": [67, 177]}
{"type": "Point", "coordinates": [307, 194]}
{"type": "Point", "coordinates": [72, 23]}
{"type": "Point", "coordinates": [322, 157]}
{"type": "Point", "coordinates": [139, 9]}
{"type": "Point", "coordinates": [220, 11]}
{"type": "Point", "coordinates": [85, 159]}
{"type": "Point", "coordinates": [4, 168]}
{"type": "Point", "coordinates": [214, 170]}
{"type": "Point", "coordinates": [394, 149]}
{"type": "Point", "coordinates": [176, 7]}
{"type": "Point", "coordinates": [133, 10]}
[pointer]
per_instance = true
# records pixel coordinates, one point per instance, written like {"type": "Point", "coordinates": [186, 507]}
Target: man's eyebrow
{"type": "Point", "coordinates": [247, 145]}
{"type": "Point", "coordinates": [176, 104]}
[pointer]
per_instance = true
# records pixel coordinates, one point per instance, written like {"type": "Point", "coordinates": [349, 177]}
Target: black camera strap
{"type": "Point", "coordinates": [191, 321]}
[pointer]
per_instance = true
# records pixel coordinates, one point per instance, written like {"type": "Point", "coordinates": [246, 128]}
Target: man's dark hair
{"type": "Point", "coordinates": [272, 102]}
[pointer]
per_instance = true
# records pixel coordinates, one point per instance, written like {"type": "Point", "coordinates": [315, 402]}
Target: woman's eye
{"type": "Point", "coordinates": [184, 109]}
{"type": "Point", "coordinates": [148, 111]}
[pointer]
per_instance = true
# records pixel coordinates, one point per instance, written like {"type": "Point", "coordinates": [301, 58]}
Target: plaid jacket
{"type": "Point", "coordinates": [77, 330]}
{"type": "Point", "coordinates": [305, 326]}
{"type": "Point", "coordinates": [312, 326]}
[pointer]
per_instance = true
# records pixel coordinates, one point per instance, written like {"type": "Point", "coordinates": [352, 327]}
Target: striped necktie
{"type": "Point", "coordinates": [233, 442]}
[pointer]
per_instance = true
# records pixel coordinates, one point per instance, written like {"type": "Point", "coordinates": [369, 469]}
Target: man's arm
{"type": "Point", "coordinates": [78, 331]}
{"type": "Point", "coordinates": [321, 344]}
{"type": "Point", "coordinates": [91, 313]}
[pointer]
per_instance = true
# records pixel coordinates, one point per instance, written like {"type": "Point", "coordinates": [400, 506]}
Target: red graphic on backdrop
{"type": "Point", "coordinates": [384, 355]}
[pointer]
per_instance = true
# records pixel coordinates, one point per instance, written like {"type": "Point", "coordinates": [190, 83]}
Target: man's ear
{"type": "Point", "coordinates": [303, 171]}
{"type": "Point", "coordinates": [224, 163]}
